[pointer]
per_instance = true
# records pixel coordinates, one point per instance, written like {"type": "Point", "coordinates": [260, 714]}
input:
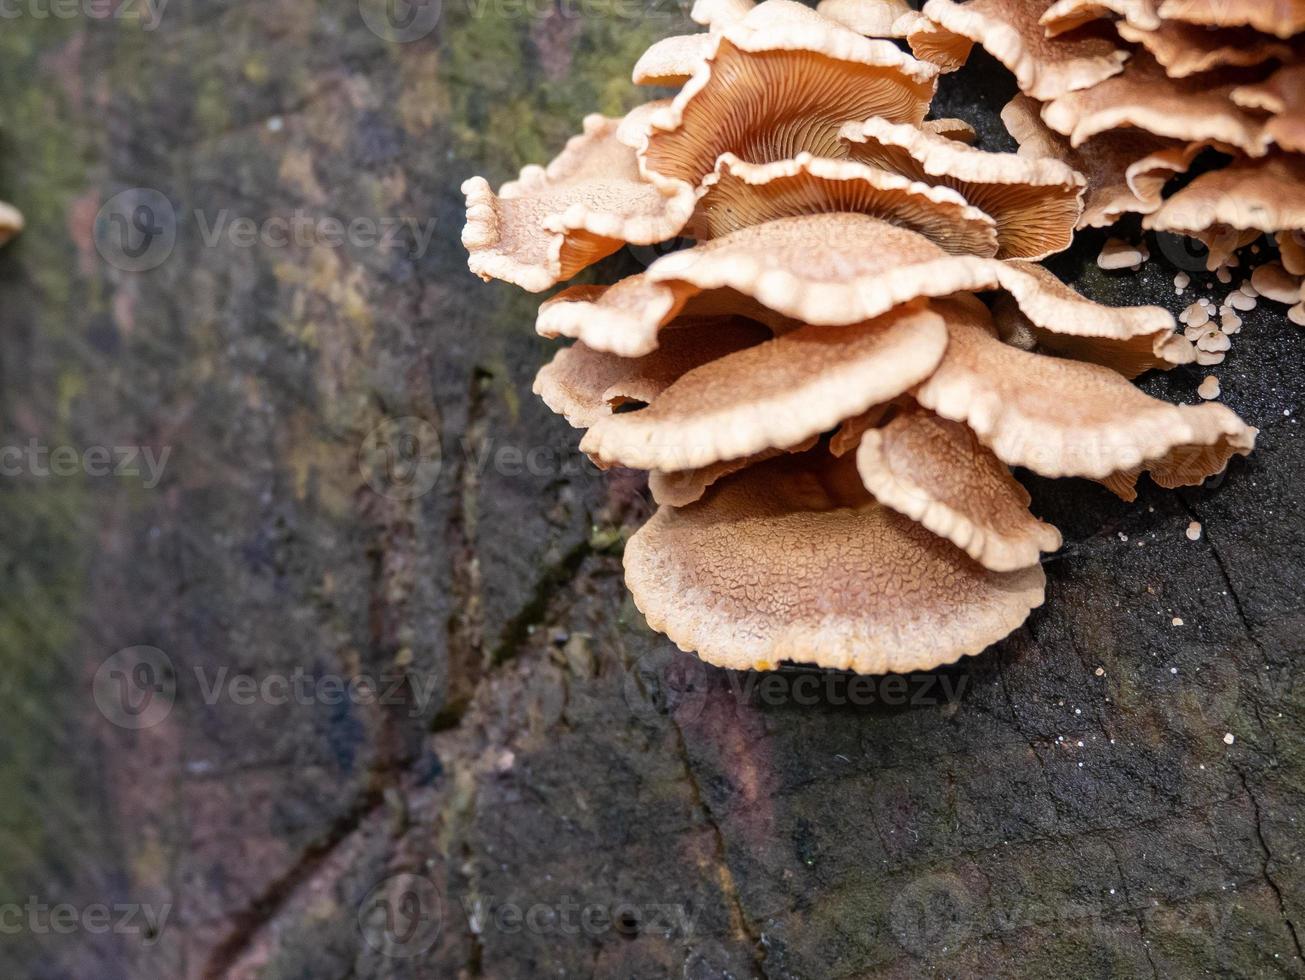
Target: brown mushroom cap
{"type": "Point", "coordinates": [1059, 417]}
{"type": "Point", "coordinates": [552, 222]}
{"type": "Point", "coordinates": [1035, 202]}
{"type": "Point", "coordinates": [779, 562]}
{"type": "Point", "coordinates": [773, 395]}
{"type": "Point", "coordinates": [1185, 49]}
{"type": "Point", "coordinates": [584, 385]}
{"type": "Point", "coordinates": [1066, 15]}
{"type": "Point", "coordinates": [873, 18]}
{"type": "Point", "coordinates": [1283, 18]}
{"type": "Point", "coordinates": [1043, 67]}
{"type": "Point", "coordinates": [1283, 94]}
{"type": "Point", "coordinates": [673, 60]}
{"type": "Point", "coordinates": [11, 222]}
{"type": "Point", "coordinates": [1245, 196]}
{"type": "Point", "coordinates": [952, 129]}
{"type": "Point", "coordinates": [781, 80]}
{"type": "Point", "coordinates": [1190, 109]}
{"type": "Point", "coordinates": [679, 488]}
{"type": "Point", "coordinates": [1291, 246]}
{"type": "Point", "coordinates": [1126, 169]}
{"type": "Point", "coordinates": [934, 44]}
{"type": "Point", "coordinates": [738, 194]}
{"type": "Point", "coordinates": [937, 472]}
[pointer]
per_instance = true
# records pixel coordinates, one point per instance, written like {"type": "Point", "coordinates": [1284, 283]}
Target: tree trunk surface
{"type": "Point", "coordinates": [531, 783]}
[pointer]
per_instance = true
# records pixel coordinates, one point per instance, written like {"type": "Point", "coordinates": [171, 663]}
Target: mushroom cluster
{"type": "Point", "coordinates": [827, 410]}
{"type": "Point", "coordinates": [1129, 92]}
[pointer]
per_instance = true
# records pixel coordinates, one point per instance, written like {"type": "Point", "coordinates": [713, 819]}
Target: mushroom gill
{"type": "Point", "coordinates": [826, 408]}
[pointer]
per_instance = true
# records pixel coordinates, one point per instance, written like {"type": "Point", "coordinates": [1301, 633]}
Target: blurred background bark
{"type": "Point", "coordinates": [544, 787]}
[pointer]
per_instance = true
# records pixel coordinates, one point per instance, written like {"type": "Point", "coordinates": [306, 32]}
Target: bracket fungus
{"type": "Point", "coordinates": [827, 410]}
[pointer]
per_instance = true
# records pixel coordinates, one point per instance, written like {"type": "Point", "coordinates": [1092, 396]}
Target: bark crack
{"type": "Point", "coordinates": [1268, 858]}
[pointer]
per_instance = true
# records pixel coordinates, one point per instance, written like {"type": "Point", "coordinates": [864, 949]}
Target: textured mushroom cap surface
{"type": "Point", "coordinates": [1059, 417]}
{"type": "Point", "coordinates": [935, 44]}
{"type": "Point", "coordinates": [953, 129]}
{"type": "Point", "coordinates": [739, 194]}
{"type": "Point", "coordinates": [1283, 94]}
{"type": "Point", "coordinates": [776, 564]}
{"type": "Point", "coordinates": [673, 60]}
{"type": "Point", "coordinates": [938, 473]}
{"type": "Point", "coordinates": [1129, 339]}
{"type": "Point", "coordinates": [873, 18]}
{"type": "Point", "coordinates": [780, 81]}
{"type": "Point", "coordinates": [1126, 169]}
{"type": "Point", "coordinates": [1282, 18]}
{"type": "Point", "coordinates": [553, 221]}
{"type": "Point", "coordinates": [773, 395]}
{"type": "Point", "coordinates": [1186, 49]}
{"type": "Point", "coordinates": [716, 15]}
{"type": "Point", "coordinates": [1035, 202]}
{"type": "Point", "coordinates": [1009, 30]}
{"type": "Point", "coordinates": [584, 385]}
{"type": "Point", "coordinates": [679, 488]}
{"type": "Point", "coordinates": [1144, 96]}
{"type": "Point", "coordinates": [1263, 195]}
{"type": "Point", "coordinates": [1066, 15]}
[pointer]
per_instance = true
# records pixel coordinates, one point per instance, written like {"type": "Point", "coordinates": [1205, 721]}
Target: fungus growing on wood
{"type": "Point", "coordinates": [11, 222]}
{"type": "Point", "coordinates": [825, 406]}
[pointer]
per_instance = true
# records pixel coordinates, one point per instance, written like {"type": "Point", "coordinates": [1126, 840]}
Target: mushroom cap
{"type": "Point", "coordinates": [673, 60]}
{"type": "Point", "coordinates": [716, 15]}
{"type": "Point", "coordinates": [585, 385]}
{"type": "Point", "coordinates": [934, 44]}
{"type": "Point", "coordinates": [953, 129]}
{"type": "Point", "coordinates": [1144, 96]}
{"type": "Point", "coordinates": [739, 194]}
{"type": "Point", "coordinates": [1035, 202]}
{"type": "Point", "coordinates": [1185, 49]}
{"type": "Point", "coordinates": [1127, 339]}
{"type": "Point", "coordinates": [773, 395]}
{"type": "Point", "coordinates": [1066, 15]}
{"type": "Point", "coordinates": [780, 80]}
{"type": "Point", "coordinates": [1058, 417]}
{"type": "Point", "coordinates": [873, 18]}
{"type": "Point", "coordinates": [1043, 67]}
{"type": "Point", "coordinates": [1283, 94]}
{"type": "Point", "coordinates": [553, 221]}
{"type": "Point", "coordinates": [781, 562]}
{"type": "Point", "coordinates": [679, 488]}
{"type": "Point", "coordinates": [938, 473]}
{"type": "Point", "coordinates": [11, 222]}
{"type": "Point", "coordinates": [1291, 246]}
{"type": "Point", "coordinates": [1272, 281]}
{"type": "Point", "coordinates": [1246, 195]}
{"type": "Point", "coordinates": [1282, 18]}
{"type": "Point", "coordinates": [1126, 169]}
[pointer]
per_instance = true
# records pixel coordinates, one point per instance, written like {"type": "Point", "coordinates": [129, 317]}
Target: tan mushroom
{"type": "Point", "coordinates": [739, 194]}
{"type": "Point", "coordinates": [1010, 31]}
{"type": "Point", "coordinates": [679, 488]}
{"type": "Point", "coordinates": [673, 60]}
{"type": "Point", "coordinates": [786, 561]}
{"type": "Point", "coordinates": [773, 395]}
{"type": "Point", "coordinates": [953, 129]}
{"type": "Point", "coordinates": [1185, 49]}
{"type": "Point", "coordinates": [779, 81]}
{"type": "Point", "coordinates": [934, 44]}
{"type": "Point", "coordinates": [1035, 202]}
{"type": "Point", "coordinates": [553, 221]}
{"type": "Point", "coordinates": [938, 473]}
{"type": "Point", "coordinates": [1067, 15]}
{"type": "Point", "coordinates": [873, 18]}
{"type": "Point", "coordinates": [1063, 418]}
{"type": "Point", "coordinates": [1282, 18]}
{"type": "Point", "coordinates": [1283, 95]}
{"type": "Point", "coordinates": [11, 222]}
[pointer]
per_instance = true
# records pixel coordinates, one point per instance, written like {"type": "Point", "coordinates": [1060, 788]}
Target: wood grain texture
{"type": "Point", "coordinates": [545, 751]}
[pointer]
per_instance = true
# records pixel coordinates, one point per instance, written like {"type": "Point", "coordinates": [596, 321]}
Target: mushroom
{"type": "Point", "coordinates": [11, 222]}
{"type": "Point", "coordinates": [1282, 18]}
{"type": "Point", "coordinates": [873, 18]}
{"type": "Point", "coordinates": [824, 406]}
{"type": "Point", "coordinates": [792, 560]}
{"type": "Point", "coordinates": [553, 221]}
{"type": "Point", "coordinates": [1185, 49]}
{"type": "Point", "coordinates": [1066, 15]}
{"type": "Point", "coordinates": [1010, 31]}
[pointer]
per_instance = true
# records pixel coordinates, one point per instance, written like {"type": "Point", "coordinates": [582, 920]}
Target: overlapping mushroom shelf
{"type": "Point", "coordinates": [830, 387]}
{"type": "Point", "coordinates": [1131, 92]}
